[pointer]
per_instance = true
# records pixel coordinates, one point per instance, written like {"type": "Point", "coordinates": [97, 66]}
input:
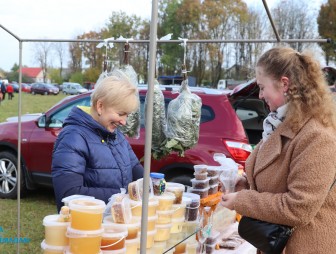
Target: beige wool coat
{"type": "Point", "coordinates": [290, 176]}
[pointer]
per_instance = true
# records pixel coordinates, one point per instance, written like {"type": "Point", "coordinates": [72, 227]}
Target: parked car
{"type": "Point", "coordinates": [26, 88]}
{"type": "Point", "coordinates": [221, 131]}
{"type": "Point", "coordinates": [43, 88]}
{"type": "Point", "coordinates": [15, 87]}
{"type": "Point", "coordinates": [73, 88]}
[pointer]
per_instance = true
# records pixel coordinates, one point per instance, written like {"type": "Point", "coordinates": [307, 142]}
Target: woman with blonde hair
{"type": "Point", "coordinates": [91, 156]}
{"type": "Point", "coordinates": [289, 175]}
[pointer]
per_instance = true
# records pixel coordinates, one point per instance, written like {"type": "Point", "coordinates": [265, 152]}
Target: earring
{"type": "Point", "coordinates": [99, 114]}
{"type": "Point", "coordinates": [285, 94]}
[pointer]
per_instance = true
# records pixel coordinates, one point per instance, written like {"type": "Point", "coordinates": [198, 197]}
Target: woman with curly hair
{"type": "Point", "coordinates": [289, 175]}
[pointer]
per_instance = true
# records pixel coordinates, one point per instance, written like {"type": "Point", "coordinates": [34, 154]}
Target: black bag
{"type": "Point", "coordinates": [268, 237]}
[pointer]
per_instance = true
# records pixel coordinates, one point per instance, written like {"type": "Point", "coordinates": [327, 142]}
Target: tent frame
{"type": "Point", "coordinates": [151, 75]}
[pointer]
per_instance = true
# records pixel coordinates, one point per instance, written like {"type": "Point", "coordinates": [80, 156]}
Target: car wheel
{"type": "Point", "coordinates": [45, 93]}
{"type": "Point", "coordinates": [9, 175]}
{"type": "Point", "coordinates": [33, 93]}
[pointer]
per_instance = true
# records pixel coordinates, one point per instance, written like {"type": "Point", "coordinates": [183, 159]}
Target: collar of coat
{"type": "Point", "coordinates": [271, 149]}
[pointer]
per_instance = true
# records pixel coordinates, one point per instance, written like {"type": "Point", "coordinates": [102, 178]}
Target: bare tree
{"type": "Point", "coordinates": [60, 49]}
{"type": "Point", "coordinates": [295, 20]}
{"type": "Point", "coordinates": [42, 51]}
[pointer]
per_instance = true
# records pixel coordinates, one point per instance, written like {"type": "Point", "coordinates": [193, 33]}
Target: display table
{"type": "Point", "coordinates": [244, 248]}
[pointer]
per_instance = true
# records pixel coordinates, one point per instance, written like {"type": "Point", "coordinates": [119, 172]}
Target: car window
{"type": "Point", "coordinates": [57, 119]}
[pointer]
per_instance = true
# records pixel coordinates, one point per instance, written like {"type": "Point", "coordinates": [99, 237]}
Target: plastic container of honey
{"type": "Point", "coordinates": [84, 242]}
{"type": "Point", "coordinates": [166, 201]}
{"type": "Point", "coordinates": [136, 207]}
{"type": "Point", "coordinates": [133, 227]}
{"type": "Point", "coordinates": [86, 214]}
{"type": "Point", "coordinates": [132, 245]}
{"type": "Point", "coordinates": [177, 189]}
{"type": "Point", "coordinates": [177, 225]}
{"type": "Point", "coordinates": [151, 222]}
{"type": "Point", "coordinates": [164, 217]}
{"type": "Point", "coordinates": [162, 232]}
{"type": "Point", "coordinates": [55, 231]}
{"type": "Point", "coordinates": [150, 239]}
{"type": "Point", "coordinates": [114, 236]}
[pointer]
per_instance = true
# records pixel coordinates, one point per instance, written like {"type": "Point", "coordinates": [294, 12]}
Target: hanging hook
{"type": "Point", "coordinates": [126, 53]}
{"type": "Point", "coordinates": [184, 66]}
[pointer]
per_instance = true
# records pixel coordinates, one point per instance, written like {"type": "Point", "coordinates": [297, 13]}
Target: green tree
{"type": "Point", "coordinates": [91, 74]}
{"type": "Point", "coordinates": [170, 54]}
{"type": "Point", "coordinates": [77, 77]}
{"type": "Point", "coordinates": [55, 76]}
{"type": "Point", "coordinates": [327, 29]}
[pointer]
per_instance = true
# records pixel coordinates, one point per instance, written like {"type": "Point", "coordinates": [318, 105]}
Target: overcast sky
{"type": "Point", "coordinates": [62, 19]}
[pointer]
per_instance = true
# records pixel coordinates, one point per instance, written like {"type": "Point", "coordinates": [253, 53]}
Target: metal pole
{"type": "Point", "coordinates": [271, 20]}
{"type": "Point", "coordinates": [149, 122]}
{"type": "Point", "coordinates": [18, 183]}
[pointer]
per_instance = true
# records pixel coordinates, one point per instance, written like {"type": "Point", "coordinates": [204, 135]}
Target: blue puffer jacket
{"type": "Point", "coordinates": [89, 160]}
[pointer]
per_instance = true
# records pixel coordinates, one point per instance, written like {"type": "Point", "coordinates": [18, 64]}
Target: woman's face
{"type": "Point", "coordinates": [271, 91]}
{"type": "Point", "coordinates": [111, 118]}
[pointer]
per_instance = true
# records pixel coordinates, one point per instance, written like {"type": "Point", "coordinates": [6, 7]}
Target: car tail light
{"type": "Point", "coordinates": [238, 150]}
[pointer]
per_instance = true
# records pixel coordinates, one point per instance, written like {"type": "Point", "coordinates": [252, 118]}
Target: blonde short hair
{"type": "Point", "coordinates": [116, 91]}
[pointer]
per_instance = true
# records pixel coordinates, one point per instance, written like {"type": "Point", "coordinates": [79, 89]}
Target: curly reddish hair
{"type": "Point", "coordinates": [308, 93]}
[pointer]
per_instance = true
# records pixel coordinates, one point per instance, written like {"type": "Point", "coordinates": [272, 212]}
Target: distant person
{"type": "Point", "coordinates": [10, 91]}
{"type": "Point", "coordinates": [3, 90]}
{"type": "Point", "coordinates": [91, 155]}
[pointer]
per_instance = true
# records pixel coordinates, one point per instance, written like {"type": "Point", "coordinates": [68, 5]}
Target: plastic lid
{"type": "Point", "coordinates": [157, 175]}
{"type": "Point", "coordinates": [153, 232]}
{"type": "Point", "coordinates": [115, 230]}
{"type": "Point", "coordinates": [132, 241]}
{"type": "Point", "coordinates": [52, 220]}
{"type": "Point", "coordinates": [68, 198]}
{"type": "Point", "coordinates": [85, 204]}
{"type": "Point", "coordinates": [161, 226]}
{"type": "Point", "coordinates": [45, 246]}
{"type": "Point", "coordinates": [75, 233]}
{"type": "Point", "coordinates": [165, 212]}
{"type": "Point", "coordinates": [193, 180]}
{"type": "Point", "coordinates": [179, 220]}
{"type": "Point", "coordinates": [192, 196]}
{"type": "Point", "coordinates": [151, 202]}
{"type": "Point", "coordinates": [151, 218]}
{"type": "Point", "coordinates": [120, 251]}
{"type": "Point", "coordinates": [175, 186]}
{"type": "Point", "coordinates": [167, 196]}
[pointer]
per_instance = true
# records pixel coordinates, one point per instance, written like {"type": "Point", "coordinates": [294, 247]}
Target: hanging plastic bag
{"type": "Point", "coordinates": [132, 127]}
{"type": "Point", "coordinates": [159, 124]}
{"type": "Point", "coordinates": [183, 120]}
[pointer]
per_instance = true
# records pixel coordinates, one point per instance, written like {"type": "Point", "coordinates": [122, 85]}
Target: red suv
{"type": "Point", "coordinates": [221, 131]}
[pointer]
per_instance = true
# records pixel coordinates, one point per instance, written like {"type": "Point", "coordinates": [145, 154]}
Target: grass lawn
{"type": "Point", "coordinates": [37, 204]}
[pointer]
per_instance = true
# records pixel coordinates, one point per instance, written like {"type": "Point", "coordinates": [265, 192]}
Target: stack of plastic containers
{"type": "Point", "coordinates": [85, 231]}
{"type": "Point", "coordinates": [164, 212]}
{"type": "Point", "coordinates": [213, 174]}
{"type": "Point", "coordinates": [200, 184]}
{"type": "Point", "coordinates": [178, 207]}
{"type": "Point", "coordinates": [135, 194]}
{"type": "Point", "coordinates": [55, 240]}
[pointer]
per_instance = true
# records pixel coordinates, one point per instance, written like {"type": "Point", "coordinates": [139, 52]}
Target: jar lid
{"type": "Point", "coordinates": [157, 175]}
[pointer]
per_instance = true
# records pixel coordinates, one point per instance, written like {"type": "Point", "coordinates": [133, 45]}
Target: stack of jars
{"type": "Point", "coordinates": [85, 231]}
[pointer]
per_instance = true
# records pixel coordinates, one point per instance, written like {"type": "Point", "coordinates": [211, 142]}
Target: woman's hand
{"type": "Point", "coordinates": [228, 200]}
{"type": "Point", "coordinates": [242, 183]}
